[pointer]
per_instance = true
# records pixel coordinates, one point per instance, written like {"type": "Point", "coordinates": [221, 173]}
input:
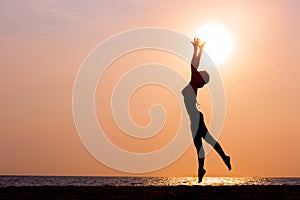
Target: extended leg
{"type": "Point", "coordinates": [210, 140]}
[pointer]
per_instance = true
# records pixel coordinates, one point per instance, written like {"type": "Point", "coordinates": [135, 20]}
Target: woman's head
{"type": "Point", "coordinates": [203, 80]}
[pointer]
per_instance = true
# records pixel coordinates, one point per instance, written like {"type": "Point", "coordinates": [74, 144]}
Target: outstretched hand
{"type": "Point", "coordinates": [197, 43]}
{"type": "Point", "coordinates": [202, 46]}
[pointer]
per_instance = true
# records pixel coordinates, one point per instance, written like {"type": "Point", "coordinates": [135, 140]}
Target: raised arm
{"type": "Point", "coordinates": [195, 76]}
{"type": "Point", "coordinates": [197, 55]}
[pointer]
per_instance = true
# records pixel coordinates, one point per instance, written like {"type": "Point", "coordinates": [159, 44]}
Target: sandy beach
{"type": "Point", "coordinates": [151, 192]}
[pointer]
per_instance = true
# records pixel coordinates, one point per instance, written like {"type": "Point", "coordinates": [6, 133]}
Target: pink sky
{"type": "Point", "coordinates": [43, 44]}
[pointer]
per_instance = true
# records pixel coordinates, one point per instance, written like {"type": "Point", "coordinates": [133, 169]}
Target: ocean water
{"type": "Point", "coordinates": [6, 181]}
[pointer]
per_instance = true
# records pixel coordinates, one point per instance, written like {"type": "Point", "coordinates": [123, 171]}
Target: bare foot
{"type": "Point", "coordinates": [227, 162]}
{"type": "Point", "coordinates": [201, 175]}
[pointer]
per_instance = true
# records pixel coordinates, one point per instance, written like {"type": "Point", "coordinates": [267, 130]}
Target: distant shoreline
{"type": "Point", "coordinates": [152, 192]}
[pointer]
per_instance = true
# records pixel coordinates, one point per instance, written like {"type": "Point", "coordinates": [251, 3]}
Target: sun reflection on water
{"type": "Point", "coordinates": [220, 181]}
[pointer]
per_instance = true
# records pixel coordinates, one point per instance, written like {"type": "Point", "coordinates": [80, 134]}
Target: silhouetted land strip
{"type": "Point", "coordinates": [152, 192]}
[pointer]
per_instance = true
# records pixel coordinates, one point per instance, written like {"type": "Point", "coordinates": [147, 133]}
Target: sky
{"type": "Point", "coordinates": [43, 44]}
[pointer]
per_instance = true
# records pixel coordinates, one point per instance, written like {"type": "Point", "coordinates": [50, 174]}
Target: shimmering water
{"type": "Point", "coordinates": [6, 181]}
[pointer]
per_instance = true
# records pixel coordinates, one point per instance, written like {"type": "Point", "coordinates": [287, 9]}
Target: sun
{"type": "Point", "coordinates": [219, 41]}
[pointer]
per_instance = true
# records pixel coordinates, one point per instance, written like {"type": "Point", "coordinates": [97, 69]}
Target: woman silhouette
{"type": "Point", "coordinates": [198, 127]}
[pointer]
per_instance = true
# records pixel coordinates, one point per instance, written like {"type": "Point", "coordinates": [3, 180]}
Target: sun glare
{"type": "Point", "coordinates": [219, 41]}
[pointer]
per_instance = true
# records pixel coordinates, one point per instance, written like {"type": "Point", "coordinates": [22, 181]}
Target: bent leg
{"type": "Point", "coordinates": [216, 145]}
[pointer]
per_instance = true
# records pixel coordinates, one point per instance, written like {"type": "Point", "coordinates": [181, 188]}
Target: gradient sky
{"type": "Point", "coordinates": [43, 44]}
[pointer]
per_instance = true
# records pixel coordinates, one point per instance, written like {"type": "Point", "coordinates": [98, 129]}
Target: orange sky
{"type": "Point", "coordinates": [44, 43]}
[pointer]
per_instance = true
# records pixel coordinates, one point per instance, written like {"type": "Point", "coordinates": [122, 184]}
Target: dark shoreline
{"type": "Point", "coordinates": [152, 192]}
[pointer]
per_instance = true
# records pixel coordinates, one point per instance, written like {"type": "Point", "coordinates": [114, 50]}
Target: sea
{"type": "Point", "coordinates": [19, 181]}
